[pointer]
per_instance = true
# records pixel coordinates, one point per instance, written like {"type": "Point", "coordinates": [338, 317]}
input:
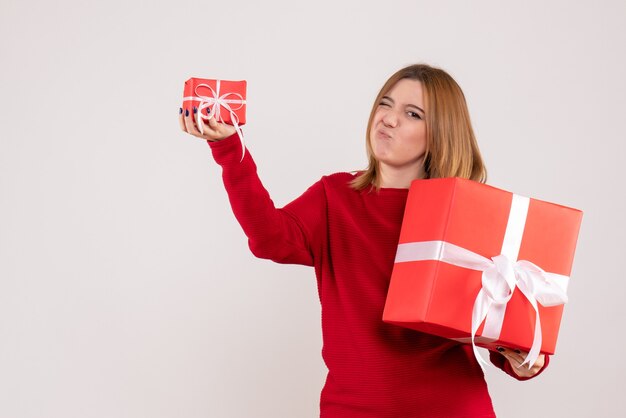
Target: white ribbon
{"type": "Point", "coordinates": [500, 276]}
{"type": "Point", "coordinates": [214, 105]}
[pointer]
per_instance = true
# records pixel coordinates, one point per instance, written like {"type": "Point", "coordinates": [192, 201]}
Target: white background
{"type": "Point", "coordinates": [126, 286]}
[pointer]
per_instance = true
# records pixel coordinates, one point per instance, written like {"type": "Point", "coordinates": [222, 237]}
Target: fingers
{"type": "Point", "coordinates": [191, 120]}
{"type": "Point", "coordinates": [219, 130]}
{"type": "Point", "coordinates": [184, 120]}
{"type": "Point", "coordinates": [190, 124]}
{"type": "Point", "coordinates": [181, 120]}
{"type": "Point", "coordinates": [211, 129]}
{"type": "Point", "coordinates": [517, 357]}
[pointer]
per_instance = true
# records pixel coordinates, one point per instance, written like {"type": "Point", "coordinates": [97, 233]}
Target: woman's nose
{"type": "Point", "coordinates": [390, 119]}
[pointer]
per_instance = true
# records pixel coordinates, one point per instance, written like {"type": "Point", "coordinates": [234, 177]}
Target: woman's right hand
{"type": "Point", "coordinates": [212, 129]}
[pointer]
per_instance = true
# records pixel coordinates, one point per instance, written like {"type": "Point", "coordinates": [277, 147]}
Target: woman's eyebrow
{"type": "Point", "coordinates": [417, 107]}
{"type": "Point", "coordinates": [411, 105]}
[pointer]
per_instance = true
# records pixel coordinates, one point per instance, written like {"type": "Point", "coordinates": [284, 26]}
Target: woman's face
{"type": "Point", "coordinates": [398, 131]}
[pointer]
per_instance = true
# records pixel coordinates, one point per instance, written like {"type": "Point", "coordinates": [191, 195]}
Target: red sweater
{"type": "Point", "coordinates": [350, 237]}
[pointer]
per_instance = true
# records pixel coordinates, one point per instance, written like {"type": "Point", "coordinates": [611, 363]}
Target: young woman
{"type": "Point", "coordinates": [347, 227]}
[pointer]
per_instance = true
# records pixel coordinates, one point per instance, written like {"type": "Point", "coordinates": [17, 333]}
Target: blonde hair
{"type": "Point", "coordinates": [451, 147]}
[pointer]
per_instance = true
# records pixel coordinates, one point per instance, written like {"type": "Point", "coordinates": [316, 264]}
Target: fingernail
{"type": "Point", "coordinates": [518, 352]}
{"type": "Point", "coordinates": [195, 109]}
{"type": "Point", "coordinates": [180, 110]}
{"type": "Point", "coordinates": [500, 349]}
{"type": "Point", "coordinates": [186, 112]}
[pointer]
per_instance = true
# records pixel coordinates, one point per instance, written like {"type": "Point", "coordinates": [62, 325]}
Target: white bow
{"type": "Point", "coordinates": [500, 277]}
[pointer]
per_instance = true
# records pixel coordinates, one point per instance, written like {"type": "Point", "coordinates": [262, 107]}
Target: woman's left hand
{"type": "Point", "coordinates": [517, 357]}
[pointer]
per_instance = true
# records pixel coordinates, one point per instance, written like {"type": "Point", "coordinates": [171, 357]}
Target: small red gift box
{"type": "Point", "coordinates": [225, 100]}
{"type": "Point", "coordinates": [474, 259]}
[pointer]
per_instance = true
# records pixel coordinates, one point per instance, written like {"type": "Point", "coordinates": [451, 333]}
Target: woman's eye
{"type": "Point", "coordinates": [414, 115]}
{"type": "Point", "coordinates": [383, 103]}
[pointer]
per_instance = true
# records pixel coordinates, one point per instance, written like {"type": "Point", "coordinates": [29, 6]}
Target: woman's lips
{"type": "Point", "coordinates": [380, 134]}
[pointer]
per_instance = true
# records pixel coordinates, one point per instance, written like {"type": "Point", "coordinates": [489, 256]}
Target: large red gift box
{"type": "Point", "coordinates": [223, 99]}
{"type": "Point", "coordinates": [451, 226]}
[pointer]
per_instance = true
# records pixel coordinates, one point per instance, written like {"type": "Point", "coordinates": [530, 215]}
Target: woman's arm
{"type": "Point", "coordinates": [286, 235]}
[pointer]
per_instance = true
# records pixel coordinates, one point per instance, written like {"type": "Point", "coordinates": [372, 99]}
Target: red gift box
{"type": "Point", "coordinates": [223, 99]}
{"type": "Point", "coordinates": [471, 250]}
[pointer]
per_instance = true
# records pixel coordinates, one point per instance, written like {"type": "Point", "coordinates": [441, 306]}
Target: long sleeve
{"type": "Point", "coordinates": [286, 235]}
